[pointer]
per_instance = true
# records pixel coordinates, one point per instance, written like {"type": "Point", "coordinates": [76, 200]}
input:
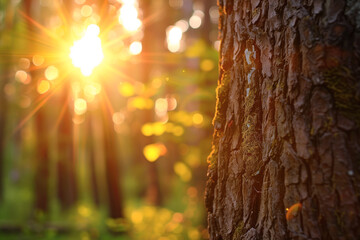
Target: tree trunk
{"type": "Point", "coordinates": [111, 163]}
{"type": "Point", "coordinates": [5, 68]}
{"type": "Point", "coordinates": [92, 161]}
{"type": "Point", "coordinates": [154, 34]}
{"type": "Point", "coordinates": [66, 171]}
{"type": "Point", "coordinates": [66, 168]}
{"type": "Point", "coordinates": [41, 176]}
{"type": "Point", "coordinates": [286, 154]}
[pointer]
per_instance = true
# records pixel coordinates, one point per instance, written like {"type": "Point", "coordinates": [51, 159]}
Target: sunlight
{"type": "Point", "coordinates": [87, 53]}
{"type": "Point", "coordinates": [128, 16]}
{"type": "Point", "coordinates": [174, 35]}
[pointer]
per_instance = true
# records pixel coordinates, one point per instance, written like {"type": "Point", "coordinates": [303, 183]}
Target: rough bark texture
{"type": "Point", "coordinates": [286, 156]}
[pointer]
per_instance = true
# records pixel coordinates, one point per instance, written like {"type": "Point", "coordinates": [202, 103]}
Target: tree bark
{"type": "Point", "coordinates": [285, 159]}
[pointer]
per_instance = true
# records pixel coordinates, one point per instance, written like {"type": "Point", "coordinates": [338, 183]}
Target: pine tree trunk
{"type": "Point", "coordinates": [92, 161]}
{"type": "Point", "coordinates": [286, 151]}
{"type": "Point", "coordinates": [42, 167]}
{"type": "Point", "coordinates": [111, 163]}
{"type": "Point", "coordinates": [66, 167]}
{"type": "Point", "coordinates": [5, 69]}
{"type": "Point", "coordinates": [154, 31]}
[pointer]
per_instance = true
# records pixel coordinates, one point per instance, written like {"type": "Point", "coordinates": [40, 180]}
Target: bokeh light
{"type": "Point", "coordinates": [80, 106]}
{"type": "Point", "coordinates": [128, 16]}
{"type": "Point", "coordinates": [43, 86]}
{"type": "Point", "coordinates": [153, 151]}
{"type": "Point", "coordinates": [51, 73]}
{"type": "Point", "coordinates": [135, 48]}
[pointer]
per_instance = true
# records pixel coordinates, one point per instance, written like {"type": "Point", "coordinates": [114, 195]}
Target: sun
{"type": "Point", "coordinates": [87, 53]}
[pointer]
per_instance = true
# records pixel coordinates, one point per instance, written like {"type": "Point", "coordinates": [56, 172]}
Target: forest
{"type": "Point", "coordinates": [180, 119]}
{"type": "Point", "coordinates": [105, 118]}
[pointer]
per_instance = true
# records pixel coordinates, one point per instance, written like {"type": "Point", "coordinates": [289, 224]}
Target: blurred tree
{"type": "Point", "coordinates": [66, 168]}
{"type": "Point", "coordinates": [285, 160]}
{"type": "Point", "coordinates": [91, 150]}
{"type": "Point", "coordinates": [111, 163]}
{"type": "Point", "coordinates": [41, 175]}
{"type": "Point", "coordinates": [7, 46]}
{"type": "Point", "coordinates": [154, 28]}
{"type": "Point", "coordinates": [112, 158]}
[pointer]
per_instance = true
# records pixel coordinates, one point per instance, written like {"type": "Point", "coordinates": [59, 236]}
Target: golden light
{"type": "Point", "coordinates": [23, 77]}
{"type": "Point", "coordinates": [174, 35]}
{"type": "Point", "coordinates": [183, 25]}
{"type": "Point", "coordinates": [128, 16]}
{"type": "Point", "coordinates": [153, 151]}
{"type": "Point", "coordinates": [158, 128]}
{"type": "Point", "coordinates": [80, 2]}
{"type": "Point", "coordinates": [80, 106]}
{"type": "Point", "coordinates": [87, 53]}
{"type": "Point", "coordinates": [196, 19]}
{"type": "Point", "coordinates": [126, 89]}
{"type": "Point", "coordinates": [140, 103]}
{"type": "Point", "coordinates": [118, 118]}
{"type": "Point", "coordinates": [84, 211]}
{"type": "Point", "coordinates": [147, 129]}
{"type": "Point", "coordinates": [38, 60]}
{"type": "Point", "coordinates": [217, 45]}
{"type": "Point", "coordinates": [197, 118]}
{"type": "Point", "coordinates": [92, 89]}
{"type": "Point", "coordinates": [136, 217]}
{"type": "Point", "coordinates": [178, 131]}
{"type": "Point", "coordinates": [43, 86]}
{"type": "Point", "coordinates": [128, 11]}
{"type": "Point", "coordinates": [172, 103]}
{"type": "Point", "coordinates": [135, 48]}
{"type": "Point", "coordinates": [195, 22]}
{"type": "Point", "coordinates": [207, 65]}
{"type": "Point", "coordinates": [86, 11]}
{"type": "Point", "coordinates": [182, 171]}
{"type": "Point", "coordinates": [161, 106]}
{"type": "Point", "coordinates": [51, 73]}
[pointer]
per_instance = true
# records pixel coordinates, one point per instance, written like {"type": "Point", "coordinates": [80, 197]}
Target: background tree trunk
{"type": "Point", "coordinates": [66, 168]}
{"type": "Point", "coordinates": [42, 167]}
{"type": "Point", "coordinates": [111, 163]}
{"type": "Point", "coordinates": [154, 33]}
{"type": "Point", "coordinates": [285, 159]}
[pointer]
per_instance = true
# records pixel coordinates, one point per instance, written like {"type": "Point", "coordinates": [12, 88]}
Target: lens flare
{"type": "Point", "coordinates": [87, 53]}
